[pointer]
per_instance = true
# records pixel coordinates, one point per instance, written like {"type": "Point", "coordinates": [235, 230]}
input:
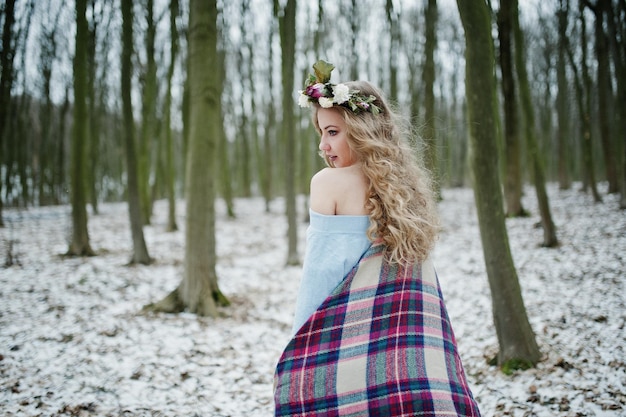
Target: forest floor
{"type": "Point", "coordinates": [73, 340]}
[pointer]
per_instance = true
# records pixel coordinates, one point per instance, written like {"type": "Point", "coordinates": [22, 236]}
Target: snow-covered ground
{"type": "Point", "coordinates": [73, 340]}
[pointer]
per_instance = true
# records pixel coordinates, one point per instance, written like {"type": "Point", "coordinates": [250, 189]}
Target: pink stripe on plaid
{"type": "Point", "coordinates": [353, 408]}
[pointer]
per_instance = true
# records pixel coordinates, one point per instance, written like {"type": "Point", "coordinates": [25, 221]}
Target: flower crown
{"type": "Point", "coordinates": [319, 89]}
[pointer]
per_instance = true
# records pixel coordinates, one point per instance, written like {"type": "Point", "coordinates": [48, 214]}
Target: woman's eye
{"type": "Point", "coordinates": [332, 132]}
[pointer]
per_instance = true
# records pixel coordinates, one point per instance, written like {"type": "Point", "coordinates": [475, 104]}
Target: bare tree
{"type": "Point", "coordinates": [45, 141]}
{"type": "Point", "coordinates": [616, 22]}
{"type": "Point", "coordinates": [393, 18]}
{"type": "Point", "coordinates": [604, 114]}
{"type": "Point", "coordinates": [79, 246]}
{"type": "Point", "coordinates": [6, 77]}
{"type": "Point", "coordinates": [224, 163]}
{"type": "Point", "coordinates": [512, 149]}
{"type": "Point", "coordinates": [428, 79]}
{"type": "Point", "coordinates": [287, 27]}
{"type": "Point", "coordinates": [140, 251]}
{"type": "Point", "coordinates": [170, 177]}
{"type": "Point", "coordinates": [199, 292]}
{"type": "Point", "coordinates": [518, 348]}
{"type": "Point", "coordinates": [414, 53]}
{"type": "Point", "coordinates": [94, 117]}
{"type": "Point", "coordinates": [532, 148]}
{"type": "Point", "coordinates": [266, 167]}
{"type": "Point", "coordinates": [562, 97]}
{"type": "Point", "coordinates": [582, 82]}
{"type": "Point", "coordinates": [149, 97]}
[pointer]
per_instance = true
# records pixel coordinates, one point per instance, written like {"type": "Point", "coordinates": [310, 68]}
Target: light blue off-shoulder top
{"type": "Point", "coordinates": [334, 244]}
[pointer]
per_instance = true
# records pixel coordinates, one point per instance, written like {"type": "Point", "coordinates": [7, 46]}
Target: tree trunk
{"type": "Point", "coordinates": [6, 82]}
{"type": "Point", "coordinates": [584, 106]}
{"type": "Point", "coordinates": [605, 93]}
{"type": "Point", "coordinates": [355, 24]}
{"type": "Point", "coordinates": [94, 117]}
{"type": "Point", "coordinates": [254, 102]}
{"type": "Point", "coordinates": [79, 245]}
{"type": "Point", "coordinates": [148, 116]}
{"type": "Point", "coordinates": [140, 251]}
{"type": "Point", "coordinates": [225, 163]}
{"type": "Point", "coordinates": [170, 177]}
{"type": "Point", "coordinates": [549, 230]}
{"type": "Point", "coordinates": [243, 129]}
{"type": "Point", "coordinates": [199, 292]}
{"type": "Point", "coordinates": [428, 79]}
{"type": "Point", "coordinates": [618, 49]}
{"type": "Point", "coordinates": [45, 142]}
{"type": "Point", "coordinates": [562, 107]}
{"type": "Point", "coordinates": [185, 116]}
{"type": "Point", "coordinates": [24, 149]}
{"type": "Point", "coordinates": [518, 348]}
{"type": "Point", "coordinates": [287, 27]}
{"type": "Point", "coordinates": [43, 146]}
{"type": "Point", "coordinates": [18, 124]}
{"type": "Point", "coordinates": [394, 47]}
{"type": "Point", "coordinates": [414, 53]}
{"type": "Point", "coordinates": [513, 167]}
{"type": "Point", "coordinates": [266, 167]}
{"type": "Point", "coordinates": [244, 157]}
{"type": "Point", "coordinates": [60, 177]}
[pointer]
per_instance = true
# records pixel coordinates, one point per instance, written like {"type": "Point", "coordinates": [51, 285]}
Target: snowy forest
{"type": "Point", "coordinates": [154, 172]}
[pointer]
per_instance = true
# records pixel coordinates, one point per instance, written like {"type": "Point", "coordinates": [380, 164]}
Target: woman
{"type": "Point", "coordinates": [371, 334]}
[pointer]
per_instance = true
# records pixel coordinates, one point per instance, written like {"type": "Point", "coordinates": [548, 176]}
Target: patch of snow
{"type": "Point", "coordinates": [73, 340]}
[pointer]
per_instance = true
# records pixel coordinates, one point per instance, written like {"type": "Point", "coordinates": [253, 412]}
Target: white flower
{"type": "Point", "coordinates": [341, 93]}
{"type": "Point", "coordinates": [325, 102]}
{"type": "Point", "coordinates": [303, 99]}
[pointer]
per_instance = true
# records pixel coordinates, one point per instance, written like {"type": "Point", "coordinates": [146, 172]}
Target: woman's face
{"type": "Point", "coordinates": [334, 140]}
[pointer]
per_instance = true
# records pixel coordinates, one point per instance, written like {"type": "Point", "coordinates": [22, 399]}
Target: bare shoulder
{"type": "Point", "coordinates": [338, 191]}
{"type": "Point", "coordinates": [321, 192]}
{"type": "Point", "coordinates": [326, 177]}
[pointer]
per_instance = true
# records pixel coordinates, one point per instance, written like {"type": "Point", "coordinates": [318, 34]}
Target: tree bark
{"type": "Point", "coordinates": [60, 177]}
{"type": "Point", "coordinates": [618, 49]}
{"type": "Point", "coordinates": [563, 140]}
{"type": "Point", "coordinates": [287, 27]}
{"type": "Point", "coordinates": [266, 167]}
{"type": "Point", "coordinates": [148, 116]}
{"type": "Point", "coordinates": [43, 139]}
{"type": "Point", "coordinates": [225, 165]}
{"type": "Point", "coordinates": [79, 245]}
{"type": "Point", "coordinates": [512, 148]}
{"type": "Point", "coordinates": [140, 251]}
{"type": "Point", "coordinates": [549, 230]}
{"type": "Point", "coordinates": [169, 145]}
{"type": "Point", "coordinates": [355, 24]}
{"type": "Point", "coordinates": [6, 80]}
{"type": "Point", "coordinates": [244, 135]}
{"type": "Point", "coordinates": [518, 347]}
{"type": "Point", "coordinates": [428, 79]}
{"type": "Point", "coordinates": [605, 92]}
{"type": "Point", "coordinates": [199, 292]}
{"type": "Point", "coordinates": [94, 116]}
{"type": "Point", "coordinates": [583, 88]}
{"type": "Point", "coordinates": [394, 47]}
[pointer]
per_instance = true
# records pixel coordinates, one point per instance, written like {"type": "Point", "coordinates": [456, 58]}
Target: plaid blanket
{"type": "Point", "coordinates": [380, 345]}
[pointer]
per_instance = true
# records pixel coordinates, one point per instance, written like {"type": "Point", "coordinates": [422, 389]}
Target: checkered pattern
{"type": "Point", "coordinates": [380, 345]}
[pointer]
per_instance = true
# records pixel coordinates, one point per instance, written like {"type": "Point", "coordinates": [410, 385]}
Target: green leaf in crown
{"type": "Point", "coordinates": [322, 71]}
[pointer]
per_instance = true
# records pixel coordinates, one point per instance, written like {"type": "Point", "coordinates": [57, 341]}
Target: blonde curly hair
{"type": "Point", "coordinates": [400, 199]}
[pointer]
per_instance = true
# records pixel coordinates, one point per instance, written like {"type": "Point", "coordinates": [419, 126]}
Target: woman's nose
{"type": "Point", "coordinates": [324, 145]}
